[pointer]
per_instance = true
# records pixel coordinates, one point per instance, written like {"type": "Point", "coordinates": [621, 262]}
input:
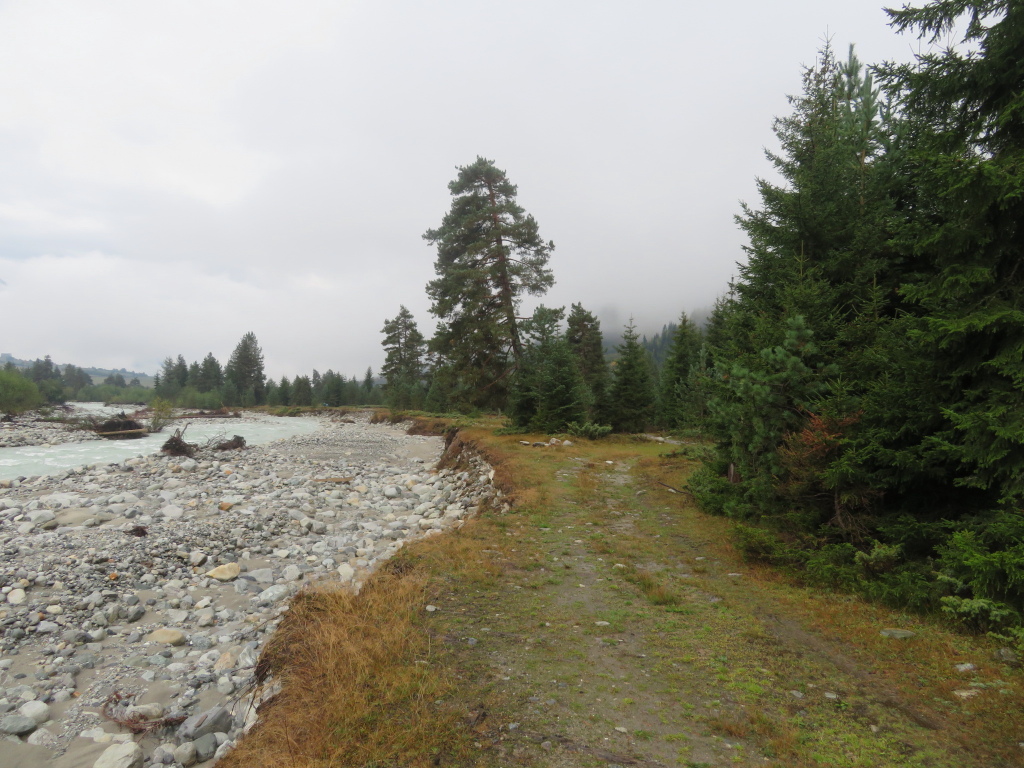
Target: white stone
{"type": "Point", "coordinates": [37, 710]}
{"type": "Point", "coordinates": [172, 512]}
{"type": "Point", "coordinates": [186, 754]}
{"type": "Point", "coordinates": [273, 594]}
{"type": "Point", "coordinates": [128, 755]}
{"type": "Point", "coordinates": [346, 572]}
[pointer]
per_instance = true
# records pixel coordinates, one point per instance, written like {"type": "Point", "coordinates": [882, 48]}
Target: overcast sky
{"type": "Point", "coordinates": [177, 174]}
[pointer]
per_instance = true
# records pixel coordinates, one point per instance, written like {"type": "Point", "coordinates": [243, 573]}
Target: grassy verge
{"type": "Point", "coordinates": [605, 621]}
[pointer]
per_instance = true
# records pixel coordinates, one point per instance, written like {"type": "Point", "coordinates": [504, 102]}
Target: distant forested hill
{"type": "Point", "coordinates": [97, 374]}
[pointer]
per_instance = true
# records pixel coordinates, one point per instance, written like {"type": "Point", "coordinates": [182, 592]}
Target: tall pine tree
{"type": "Point", "coordinates": [489, 253]}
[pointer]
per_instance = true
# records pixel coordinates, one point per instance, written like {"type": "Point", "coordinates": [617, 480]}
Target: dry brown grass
{"type": "Point", "coordinates": [360, 680]}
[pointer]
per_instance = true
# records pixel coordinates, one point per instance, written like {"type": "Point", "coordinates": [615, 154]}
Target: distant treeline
{"type": "Point", "coordinates": [205, 384]}
{"type": "Point", "coordinates": [242, 382]}
{"type": "Point", "coordinates": [44, 383]}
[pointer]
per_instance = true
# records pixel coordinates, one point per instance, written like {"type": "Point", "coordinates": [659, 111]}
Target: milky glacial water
{"type": "Point", "coordinates": [39, 460]}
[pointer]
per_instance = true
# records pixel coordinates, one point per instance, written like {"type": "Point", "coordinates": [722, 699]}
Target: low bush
{"type": "Point", "coordinates": [17, 394]}
{"type": "Point", "coordinates": [588, 429]}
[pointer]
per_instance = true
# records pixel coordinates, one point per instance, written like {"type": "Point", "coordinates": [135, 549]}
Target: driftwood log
{"type": "Point", "coordinates": [176, 445]}
{"type": "Point", "coordinates": [234, 444]}
{"type": "Point", "coordinates": [120, 427]}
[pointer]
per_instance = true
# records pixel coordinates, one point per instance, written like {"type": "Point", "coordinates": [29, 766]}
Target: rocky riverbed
{"type": "Point", "coordinates": [31, 429]}
{"type": "Point", "coordinates": [140, 594]}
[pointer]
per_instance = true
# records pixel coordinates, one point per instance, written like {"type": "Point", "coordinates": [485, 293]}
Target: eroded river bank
{"type": "Point", "coordinates": [145, 589]}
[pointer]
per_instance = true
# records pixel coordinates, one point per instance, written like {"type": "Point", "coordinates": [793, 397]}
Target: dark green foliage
{"type": "Point", "coordinates": [891, 448]}
{"type": "Point", "coordinates": [191, 397]}
{"type": "Point", "coordinates": [46, 376]}
{"type": "Point", "coordinates": [583, 333]}
{"type": "Point", "coordinates": [369, 389]}
{"type": "Point", "coordinates": [438, 398]}
{"type": "Point", "coordinates": [17, 393]}
{"type": "Point", "coordinates": [760, 405]}
{"type": "Point", "coordinates": [489, 253]}
{"type": "Point", "coordinates": [116, 380]}
{"type": "Point", "coordinates": [211, 376]}
{"type": "Point", "coordinates": [172, 379]}
{"type": "Point", "coordinates": [632, 391]}
{"type": "Point", "coordinates": [179, 372]}
{"type": "Point", "coordinates": [230, 394]}
{"type": "Point", "coordinates": [43, 370]}
{"type": "Point", "coordinates": [966, 111]}
{"type": "Point", "coordinates": [678, 395]}
{"type": "Point", "coordinates": [658, 346]}
{"type": "Point", "coordinates": [284, 392]}
{"type": "Point", "coordinates": [272, 392]}
{"type": "Point", "coordinates": [245, 371]}
{"type": "Point", "coordinates": [301, 391]}
{"type": "Point", "coordinates": [403, 369]}
{"type": "Point", "coordinates": [334, 388]}
{"type": "Point", "coordinates": [75, 379]}
{"type": "Point", "coordinates": [548, 391]}
{"type": "Point", "coordinates": [588, 429]}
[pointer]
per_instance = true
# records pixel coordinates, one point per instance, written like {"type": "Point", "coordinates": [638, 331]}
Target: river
{"type": "Point", "coordinates": [29, 461]}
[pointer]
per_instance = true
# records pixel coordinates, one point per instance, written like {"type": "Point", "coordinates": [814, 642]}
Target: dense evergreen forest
{"type": "Point", "coordinates": [861, 381]}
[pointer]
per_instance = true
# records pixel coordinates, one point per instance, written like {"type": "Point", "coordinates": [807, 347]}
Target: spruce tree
{"type": "Point", "coordinates": [632, 391]}
{"type": "Point", "coordinates": [333, 389]}
{"type": "Point", "coordinates": [317, 382]}
{"type": "Point", "coordinates": [272, 392]}
{"type": "Point", "coordinates": [367, 385]}
{"type": "Point", "coordinates": [211, 376]}
{"type": "Point", "coordinates": [167, 387]}
{"type": "Point", "coordinates": [489, 253]}
{"type": "Point", "coordinates": [403, 368]}
{"type": "Point", "coordinates": [548, 391]}
{"type": "Point", "coordinates": [677, 404]}
{"type": "Point", "coordinates": [302, 391]}
{"type": "Point", "coordinates": [245, 370]}
{"type": "Point", "coordinates": [583, 335]}
{"type": "Point", "coordinates": [179, 371]}
{"type": "Point", "coordinates": [284, 391]}
{"type": "Point", "coordinates": [965, 106]}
